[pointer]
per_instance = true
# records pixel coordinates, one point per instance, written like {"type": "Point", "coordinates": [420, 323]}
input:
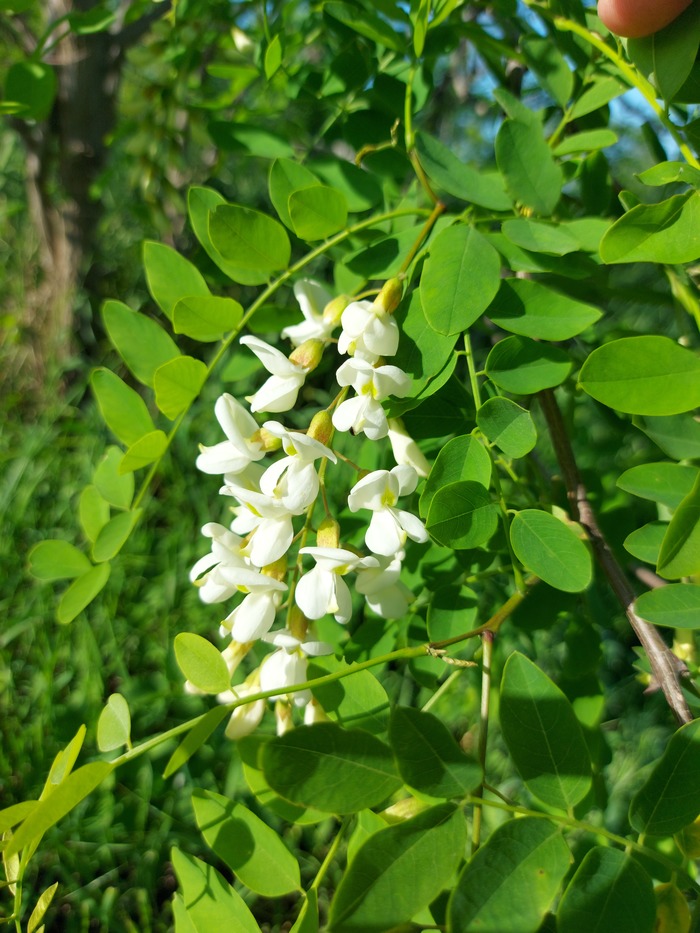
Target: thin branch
{"type": "Point", "coordinates": [666, 667]}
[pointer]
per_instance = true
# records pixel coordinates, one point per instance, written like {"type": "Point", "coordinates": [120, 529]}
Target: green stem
{"type": "Point", "coordinates": [487, 643]}
{"type": "Point", "coordinates": [257, 304]}
{"type": "Point", "coordinates": [330, 855]}
{"type": "Point", "coordinates": [422, 236]}
{"type": "Point", "coordinates": [633, 78]}
{"type": "Point", "coordinates": [571, 822]}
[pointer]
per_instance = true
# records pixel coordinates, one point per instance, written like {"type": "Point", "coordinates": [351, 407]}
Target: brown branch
{"type": "Point", "coordinates": [665, 666]}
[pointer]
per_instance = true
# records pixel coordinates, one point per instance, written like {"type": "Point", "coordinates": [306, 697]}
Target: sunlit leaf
{"type": "Point", "coordinates": [209, 901]}
{"type": "Point", "coordinates": [123, 409]}
{"type": "Point", "coordinates": [170, 276]}
{"type": "Point", "coordinates": [57, 560]}
{"type": "Point", "coordinates": [140, 341]}
{"type": "Point", "coordinates": [462, 515]}
{"type": "Point", "coordinates": [552, 550]}
{"type": "Point", "coordinates": [530, 308]}
{"type": "Point", "coordinates": [201, 663]}
{"type": "Point", "coordinates": [206, 318]}
{"type": "Point", "coordinates": [680, 549]}
{"type": "Point", "coordinates": [114, 535]}
{"type": "Point", "coordinates": [177, 384]}
{"type": "Point", "coordinates": [508, 426]}
{"type": "Point", "coordinates": [524, 366]}
{"type": "Point", "coordinates": [81, 593]}
{"type": "Point", "coordinates": [114, 724]}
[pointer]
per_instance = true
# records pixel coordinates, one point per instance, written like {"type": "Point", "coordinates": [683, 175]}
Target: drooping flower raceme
{"type": "Point", "coordinates": [323, 590]}
{"type": "Point", "coordinates": [226, 552]}
{"type": "Point", "coordinates": [373, 384]}
{"type": "Point", "coordinates": [389, 527]}
{"type": "Point", "coordinates": [242, 445]}
{"type": "Point", "coordinates": [255, 616]}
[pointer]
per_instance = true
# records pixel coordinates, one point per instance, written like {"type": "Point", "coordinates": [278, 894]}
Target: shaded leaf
{"type": "Point", "coordinates": [552, 550]}
{"type": "Point", "coordinates": [123, 409]}
{"type": "Point", "coordinates": [442, 167]}
{"type": "Point", "coordinates": [508, 426]}
{"type": "Point", "coordinates": [177, 384]}
{"type": "Point", "coordinates": [114, 535]}
{"type": "Point", "coordinates": [209, 902]}
{"type": "Point", "coordinates": [532, 309]}
{"type": "Point", "coordinates": [206, 318]}
{"type": "Point", "coordinates": [674, 606]}
{"type": "Point", "coordinates": [680, 549]}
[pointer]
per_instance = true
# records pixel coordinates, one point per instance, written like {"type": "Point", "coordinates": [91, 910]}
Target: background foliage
{"type": "Point", "coordinates": [534, 182]}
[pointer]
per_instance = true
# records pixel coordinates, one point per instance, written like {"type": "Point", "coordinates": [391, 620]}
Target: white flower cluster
{"type": "Point", "coordinates": [250, 556]}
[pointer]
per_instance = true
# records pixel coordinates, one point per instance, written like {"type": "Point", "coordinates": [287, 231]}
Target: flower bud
{"type": "Point", "coordinates": [334, 309]}
{"type": "Point", "coordinates": [403, 810]}
{"type": "Point", "coordinates": [314, 713]}
{"type": "Point", "coordinates": [328, 534]}
{"type": "Point", "coordinates": [321, 427]}
{"type": "Point", "coordinates": [267, 440]}
{"type": "Point", "coordinates": [283, 715]}
{"type": "Point", "coordinates": [297, 623]}
{"type": "Point", "coordinates": [406, 451]}
{"type": "Point", "coordinates": [390, 296]}
{"type": "Point", "coordinates": [234, 653]}
{"type": "Point", "coordinates": [308, 355]}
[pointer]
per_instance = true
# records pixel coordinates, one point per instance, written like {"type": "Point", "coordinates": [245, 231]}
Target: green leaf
{"type": "Point", "coordinates": [63, 762]}
{"type": "Point", "coordinates": [147, 449]}
{"type": "Point", "coordinates": [462, 515]}
{"type": "Point", "coordinates": [552, 550]}
{"type": "Point", "coordinates": [668, 173]}
{"type": "Point", "coordinates": [332, 769]}
{"type": "Point", "coordinates": [93, 511]}
{"type": "Point", "coordinates": [646, 375]}
{"type": "Point", "coordinates": [429, 759]}
{"type": "Point", "coordinates": [420, 26]}
{"type": "Point", "coordinates": [307, 921]}
{"type": "Point", "coordinates": [357, 701]}
{"type": "Point", "coordinates": [10, 816]}
{"type": "Point", "coordinates": [251, 749]}
{"type": "Point", "coordinates": [509, 884]}
{"type": "Point", "coordinates": [254, 243]}
{"type": "Point", "coordinates": [206, 318]}
{"type": "Point", "coordinates": [248, 138]}
{"type": "Point", "coordinates": [600, 93]}
{"type": "Point", "coordinates": [65, 797]}
{"type": "Point", "coordinates": [114, 535]}
{"type": "Point", "coordinates": [668, 483]}
{"type": "Point", "coordinates": [398, 871]}
{"type": "Point", "coordinates": [195, 738]}
{"type": "Point", "coordinates": [123, 409]}
{"type": "Point", "coordinates": [543, 735]}
{"type": "Point", "coordinates": [32, 84]}
{"type": "Point", "coordinates": [508, 426]}
{"type": "Point", "coordinates": [317, 212]}
{"type": "Point", "coordinates": [645, 542]}
{"type": "Point", "coordinates": [170, 276]}
{"type": "Point", "coordinates": [667, 57]}
{"type": "Point", "coordinates": [677, 435]}
{"type": "Point", "coordinates": [669, 799]}
{"type": "Point", "coordinates": [462, 458]}
{"type": "Point", "coordinates": [550, 66]}
{"type": "Point", "coordinates": [680, 549]}
{"type": "Point", "coordinates": [42, 905]}
{"type": "Point", "coordinates": [250, 848]}
{"type": "Point", "coordinates": [587, 141]}
{"type": "Point", "coordinates": [273, 57]}
{"type": "Point", "coordinates": [362, 191]}
{"type": "Point", "coordinates": [540, 237]}
{"type": "Point", "coordinates": [523, 366]}
{"type": "Point", "coordinates": [609, 891]}
{"type": "Point", "coordinates": [367, 24]}
{"type": "Point", "coordinates": [115, 488]}
{"type": "Point", "coordinates": [672, 911]}
{"type": "Point", "coordinates": [532, 309]}
{"type": "Point", "coordinates": [57, 560]}
{"type": "Point", "coordinates": [178, 383]}
{"type": "Point", "coordinates": [211, 904]}
{"type": "Point", "coordinates": [442, 167]}
{"type": "Point", "coordinates": [200, 203]}
{"type": "Point", "coordinates": [675, 606]}
{"type": "Point", "coordinates": [665, 232]}
{"type": "Point", "coordinates": [531, 174]}
{"type": "Point", "coordinates": [460, 279]}
{"type": "Point", "coordinates": [139, 340]}
{"type": "Point", "coordinates": [384, 257]}
{"type": "Point", "coordinates": [285, 177]}
{"type": "Point", "coordinates": [452, 611]}
{"type": "Point", "coordinates": [422, 352]}
{"type": "Point", "coordinates": [114, 724]}
{"type": "Point", "coordinates": [81, 593]}
{"type": "Point", "coordinates": [201, 663]}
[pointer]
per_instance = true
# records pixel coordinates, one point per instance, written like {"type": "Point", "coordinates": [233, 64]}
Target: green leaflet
{"type": "Point", "coordinates": [528, 167]}
{"type": "Point", "coordinates": [462, 515]}
{"type": "Point", "coordinates": [287, 176]}
{"type": "Point", "coordinates": [675, 606]}
{"type": "Point", "coordinates": [116, 488]}
{"type": "Point", "coordinates": [398, 871]}
{"type": "Point", "coordinates": [452, 611]}
{"type": "Point", "coordinates": [114, 535]}
{"type": "Point", "coordinates": [647, 375]}
{"type": "Point", "coordinates": [123, 409]}
{"type": "Point", "coordinates": [509, 884]}
{"type": "Point", "coordinates": [552, 550]}
{"type": "Point", "coordinates": [645, 542]}
{"type": "Point", "coordinates": [462, 458]}
{"type": "Point", "coordinates": [201, 663]}
{"type": "Point", "coordinates": [208, 901]}
{"type": "Point", "coordinates": [333, 769]}
{"type": "Point", "coordinates": [93, 511]}
{"type": "Point", "coordinates": [177, 384]}
{"type": "Point", "coordinates": [170, 276]}
{"type": "Point", "coordinates": [666, 232]}
{"type": "Point", "coordinates": [666, 58]}
{"type": "Point", "coordinates": [57, 560]}
{"type": "Point", "coordinates": [667, 483]}
{"type": "Point", "coordinates": [508, 426]}
{"type": "Point", "coordinates": [317, 212]}
{"type": "Point", "coordinates": [609, 891]}
{"type": "Point", "coordinates": [460, 279]}
{"type": "Point", "coordinates": [680, 549]}
{"type": "Point", "coordinates": [32, 85]}
{"type": "Point", "coordinates": [530, 308]}
{"type": "Point", "coordinates": [81, 593]}
{"type": "Point", "coordinates": [461, 181]}
{"type": "Point", "coordinates": [114, 724]}
{"type": "Point", "coordinates": [206, 318]}
{"type": "Point", "coordinates": [543, 735]}
{"type": "Point", "coordinates": [357, 702]}
{"type": "Point", "coordinates": [524, 366]}
{"type": "Point", "coordinates": [140, 341]}
{"type": "Point", "coordinates": [251, 241]}
{"type": "Point", "coordinates": [246, 844]}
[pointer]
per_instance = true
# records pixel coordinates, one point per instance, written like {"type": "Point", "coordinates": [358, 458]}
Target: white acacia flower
{"type": "Point", "coordinates": [255, 616]}
{"type": "Point", "coordinates": [286, 667]}
{"type": "Point", "coordinates": [268, 522]}
{"type": "Point", "coordinates": [368, 331]}
{"type": "Point", "coordinates": [280, 391]}
{"type": "Point", "coordinates": [293, 479]}
{"type": "Point", "coordinates": [406, 451]}
{"type": "Point", "coordinates": [384, 592]}
{"type": "Point", "coordinates": [226, 552]}
{"type": "Point", "coordinates": [241, 447]}
{"type": "Point", "coordinates": [379, 492]}
{"type": "Point", "coordinates": [247, 717]}
{"type": "Point", "coordinates": [323, 590]}
{"type": "Point", "coordinates": [373, 384]}
{"type": "Point", "coordinates": [312, 298]}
